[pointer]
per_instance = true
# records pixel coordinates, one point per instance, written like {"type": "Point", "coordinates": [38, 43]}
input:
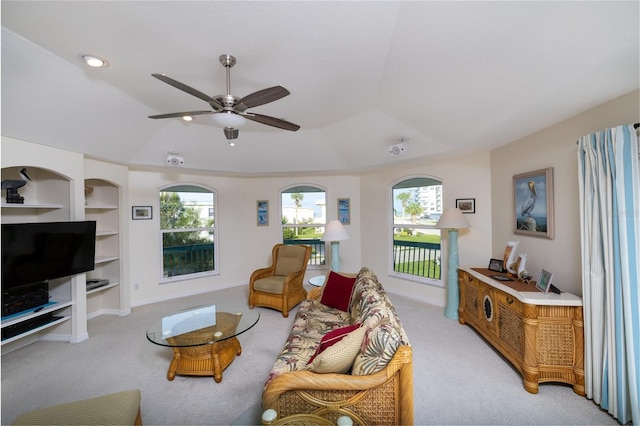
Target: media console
{"type": "Point", "coordinates": [540, 334]}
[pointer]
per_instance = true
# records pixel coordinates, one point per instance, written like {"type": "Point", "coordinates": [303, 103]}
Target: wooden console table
{"type": "Point", "coordinates": [540, 334]}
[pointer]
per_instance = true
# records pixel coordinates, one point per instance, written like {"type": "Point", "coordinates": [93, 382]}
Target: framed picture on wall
{"type": "Point", "coordinates": [466, 205]}
{"type": "Point", "coordinates": [344, 211]}
{"type": "Point", "coordinates": [262, 211]}
{"type": "Point", "coordinates": [533, 203]}
{"type": "Point", "coordinates": [141, 213]}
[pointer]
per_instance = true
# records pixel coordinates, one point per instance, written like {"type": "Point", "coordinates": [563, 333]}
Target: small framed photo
{"type": "Point", "coordinates": [496, 265]}
{"type": "Point", "coordinates": [466, 205]}
{"type": "Point", "coordinates": [544, 281]}
{"type": "Point", "coordinates": [344, 211]}
{"type": "Point", "coordinates": [141, 213]}
{"type": "Point", "coordinates": [262, 211]}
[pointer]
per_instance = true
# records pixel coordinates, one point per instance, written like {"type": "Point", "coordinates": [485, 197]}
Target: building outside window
{"type": "Point", "coordinates": [304, 216]}
{"type": "Point", "coordinates": [416, 207]}
{"type": "Point", "coordinates": [187, 227]}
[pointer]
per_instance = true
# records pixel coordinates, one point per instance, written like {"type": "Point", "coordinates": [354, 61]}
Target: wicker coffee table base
{"type": "Point", "coordinates": [205, 360]}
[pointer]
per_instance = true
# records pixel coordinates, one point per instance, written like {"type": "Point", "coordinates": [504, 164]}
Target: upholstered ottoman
{"type": "Point", "coordinates": [121, 408]}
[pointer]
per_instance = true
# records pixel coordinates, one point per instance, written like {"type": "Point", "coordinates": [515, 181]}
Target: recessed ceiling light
{"type": "Point", "coordinates": [94, 61]}
{"type": "Point", "coordinates": [187, 118]}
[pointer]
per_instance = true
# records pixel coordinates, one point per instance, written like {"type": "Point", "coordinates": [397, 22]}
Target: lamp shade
{"type": "Point", "coordinates": [335, 231]}
{"type": "Point", "coordinates": [229, 119]}
{"type": "Point", "coordinates": [452, 218]}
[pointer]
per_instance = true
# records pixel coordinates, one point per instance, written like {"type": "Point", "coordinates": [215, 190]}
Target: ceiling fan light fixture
{"type": "Point", "coordinates": [94, 61]}
{"type": "Point", "coordinates": [231, 133]}
{"type": "Point", "coordinates": [229, 119]}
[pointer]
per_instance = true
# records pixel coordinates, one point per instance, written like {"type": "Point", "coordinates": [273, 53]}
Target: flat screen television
{"type": "Point", "coordinates": [41, 251]}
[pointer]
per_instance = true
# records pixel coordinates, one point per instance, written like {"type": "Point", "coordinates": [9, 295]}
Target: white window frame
{"type": "Point", "coordinates": [401, 275]}
{"type": "Point", "coordinates": [213, 228]}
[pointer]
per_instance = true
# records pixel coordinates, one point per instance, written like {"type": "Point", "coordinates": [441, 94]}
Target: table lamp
{"type": "Point", "coordinates": [335, 232]}
{"type": "Point", "coordinates": [452, 219]}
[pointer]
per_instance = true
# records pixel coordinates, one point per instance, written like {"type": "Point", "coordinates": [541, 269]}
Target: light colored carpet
{"type": "Point", "coordinates": [458, 378]}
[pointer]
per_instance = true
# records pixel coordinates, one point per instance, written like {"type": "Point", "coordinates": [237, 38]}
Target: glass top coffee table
{"type": "Point", "coordinates": [203, 339]}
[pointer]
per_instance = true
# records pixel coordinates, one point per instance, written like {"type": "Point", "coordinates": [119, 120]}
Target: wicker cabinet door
{"type": "Point", "coordinates": [511, 325]}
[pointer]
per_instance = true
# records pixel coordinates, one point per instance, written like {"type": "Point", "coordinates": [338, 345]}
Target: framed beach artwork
{"type": "Point", "coordinates": [262, 211]}
{"type": "Point", "coordinates": [344, 211]}
{"type": "Point", "coordinates": [533, 203]}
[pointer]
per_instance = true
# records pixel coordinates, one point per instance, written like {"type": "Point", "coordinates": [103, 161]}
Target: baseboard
{"type": "Point", "coordinates": [80, 338]}
{"type": "Point", "coordinates": [186, 294]}
{"type": "Point", "coordinates": [420, 298]}
{"type": "Point", "coordinates": [55, 337]}
{"type": "Point", "coordinates": [100, 312]}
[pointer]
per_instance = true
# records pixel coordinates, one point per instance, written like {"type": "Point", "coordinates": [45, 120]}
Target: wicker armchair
{"type": "Point", "coordinates": [280, 285]}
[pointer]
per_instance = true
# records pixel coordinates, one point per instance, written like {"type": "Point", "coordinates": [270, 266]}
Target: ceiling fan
{"type": "Point", "coordinates": [229, 111]}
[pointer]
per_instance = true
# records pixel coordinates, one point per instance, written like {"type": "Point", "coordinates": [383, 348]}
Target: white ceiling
{"type": "Point", "coordinates": [449, 76]}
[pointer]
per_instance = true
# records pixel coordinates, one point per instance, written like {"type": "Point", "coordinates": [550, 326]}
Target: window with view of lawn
{"type": "Point", "coordinates": [416, 208]}
{"type": "Point", "coordinates": [187, 227]}
{"type": "Point", "coordinates": [304, 216]}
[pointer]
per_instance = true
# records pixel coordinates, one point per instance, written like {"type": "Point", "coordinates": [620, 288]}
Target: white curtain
{"type": "Point", "coordinates": [610, 226]}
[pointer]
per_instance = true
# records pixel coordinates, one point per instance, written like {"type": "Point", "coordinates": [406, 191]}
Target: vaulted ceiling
{"type": "Point", "coordinates": [450, 77]}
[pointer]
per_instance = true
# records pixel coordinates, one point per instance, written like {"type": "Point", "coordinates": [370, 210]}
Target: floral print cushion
{"type": "Point", "coordinates": [313, 320]}
{"type": "Point", "coordinates": [379, 346]}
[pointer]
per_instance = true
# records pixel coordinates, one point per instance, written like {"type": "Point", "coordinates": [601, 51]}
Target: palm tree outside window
{"type": "Point", "coordinates": [304, 216]}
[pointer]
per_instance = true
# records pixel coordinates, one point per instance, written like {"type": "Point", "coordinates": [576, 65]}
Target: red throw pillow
{"type": "Point", "coordinates": [337, 291]}
{"type": "Point", "coordinates": [331, 338]}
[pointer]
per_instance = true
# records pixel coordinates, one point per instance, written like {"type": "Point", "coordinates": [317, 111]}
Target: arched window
{"type": "Point", "coordinates": [304, 215]}
{"type": "Point", "coordinates": [416, 207]}
{"type": "Point", "coordinates": [187, 227]}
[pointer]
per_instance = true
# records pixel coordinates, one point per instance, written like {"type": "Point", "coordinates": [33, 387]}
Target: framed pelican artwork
{"type": "Point", "coordinates": [533, 203]}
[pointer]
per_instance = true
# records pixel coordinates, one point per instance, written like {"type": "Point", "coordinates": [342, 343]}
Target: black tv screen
{"type": "Point", "coordinates": [41, 251]}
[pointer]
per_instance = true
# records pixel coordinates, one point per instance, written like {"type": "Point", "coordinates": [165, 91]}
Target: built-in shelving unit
{"type": "Point", "coordinates": [102, 205]}
{"type": "Point", "coordinates": [56, 194]}
{"type": "Point", "coordinates": [54, 308]}
{"type": "Point", "coordinates": [46, 200]}
{"type": "Point", "coordinates": [106, 191]}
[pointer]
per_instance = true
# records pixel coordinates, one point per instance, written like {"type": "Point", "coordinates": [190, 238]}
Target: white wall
{"type": "Point", "coordinates": [243, 246]}
{"type": "Point", "coordinates": [464, 177]}
{"type": "Point", "coordinates": [554, 147]}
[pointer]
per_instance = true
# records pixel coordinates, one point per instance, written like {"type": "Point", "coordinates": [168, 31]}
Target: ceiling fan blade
{"type": "Point", "coordinates": [261, 97]}
{"type": "Point", "coordinates": [271, 121]}
{"type": "Point", "coordinates": [190, 90]}
{"type": "Point", "coordinates": [180, 114]}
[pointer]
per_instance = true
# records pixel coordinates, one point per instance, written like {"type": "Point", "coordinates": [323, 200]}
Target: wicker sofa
{"type": "Point", "coordinates": [376, 387]}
